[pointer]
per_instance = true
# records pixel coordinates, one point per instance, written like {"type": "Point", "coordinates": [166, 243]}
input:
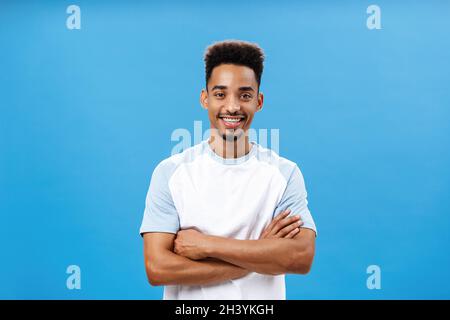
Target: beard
{"type": "Point", "coordinates": [229, 137]}
{"type": "Point", "coordinates": [232, 137]}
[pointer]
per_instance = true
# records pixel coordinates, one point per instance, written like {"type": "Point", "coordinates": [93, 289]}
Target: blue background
{"type": "Point", "coordinates": [87, 114]}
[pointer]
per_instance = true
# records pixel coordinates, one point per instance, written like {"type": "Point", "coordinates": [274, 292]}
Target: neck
{"type": "Point", "coordinates": [229, 149]}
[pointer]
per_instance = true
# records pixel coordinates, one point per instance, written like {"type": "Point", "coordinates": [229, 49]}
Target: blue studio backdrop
{"type": "Point", "coordinates": [88, 112]}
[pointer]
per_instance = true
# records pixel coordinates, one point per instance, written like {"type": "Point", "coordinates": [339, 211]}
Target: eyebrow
{"type": "Point", "coordinates": [219, 87]}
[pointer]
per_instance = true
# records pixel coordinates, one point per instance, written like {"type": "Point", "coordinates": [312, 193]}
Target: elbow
{"type": "Point", "coordinates": [301, 261]}
{"type": "Point", "coordinates": [154, 280]}
{"type": "Point", "coordinates": [155, 274]}
{"type": "Point", "coordinates": [304, 268]}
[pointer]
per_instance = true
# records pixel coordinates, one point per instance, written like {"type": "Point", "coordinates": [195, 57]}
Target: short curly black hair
{"type": "Point", "coordinates": [234, 52]}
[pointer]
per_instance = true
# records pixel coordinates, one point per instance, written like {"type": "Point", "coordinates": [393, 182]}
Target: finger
{"type": "Point", "coordinates": [284, 222]}
{"type": "Point", "coordinates": [292, 234]}
{"type": "Point", "coordinates": [279, 217]}
{"type": "Point", "coordinates": [270, 226]}
{"type": "Point", "coordinates": [263, 234]}
{"type": "Point", "coordinates": [283, 232]}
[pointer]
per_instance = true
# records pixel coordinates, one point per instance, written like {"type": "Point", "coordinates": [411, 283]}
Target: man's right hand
{"type": "Point", "coordinates": [282, 226]}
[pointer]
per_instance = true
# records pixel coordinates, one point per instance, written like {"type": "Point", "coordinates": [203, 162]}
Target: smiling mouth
{"type": "Point", "coordinates": [232, 121]}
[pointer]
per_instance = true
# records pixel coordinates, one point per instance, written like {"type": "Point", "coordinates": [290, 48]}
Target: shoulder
{"type": "Point", "coordinates": [167, 167]}
{"type": "Point", "coordinates": [281, 164]}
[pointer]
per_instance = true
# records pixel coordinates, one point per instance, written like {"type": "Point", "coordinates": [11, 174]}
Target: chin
{"type": "Point", "coordinates": [232, 136]}
{"type": "Point", "coordinates": [229, 137]}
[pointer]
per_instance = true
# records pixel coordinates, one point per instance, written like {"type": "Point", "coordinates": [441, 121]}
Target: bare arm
{"type": "Point", "coordinates": [267, 255]}
{"type": "Point", "coordinates": [164, 267]}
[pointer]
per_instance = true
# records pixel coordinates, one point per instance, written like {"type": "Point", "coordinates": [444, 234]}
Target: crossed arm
{"type": "Point", "coordinates": [193, 258]}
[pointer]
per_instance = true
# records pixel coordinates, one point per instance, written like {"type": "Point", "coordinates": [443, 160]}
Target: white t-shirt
{"type": "Point", "coordinates": [234, 198]}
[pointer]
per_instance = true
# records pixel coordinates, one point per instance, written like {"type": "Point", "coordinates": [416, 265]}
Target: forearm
{"type": "Point", "coordinates": [173, 269]}
{"type": "Point", "coordinates": [266, 256]}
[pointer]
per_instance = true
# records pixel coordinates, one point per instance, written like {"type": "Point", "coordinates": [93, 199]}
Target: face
{"type": "Point", "coordinates": [232, 99]}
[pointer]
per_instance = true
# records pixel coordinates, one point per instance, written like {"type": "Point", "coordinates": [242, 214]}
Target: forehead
{"type": "Point", "coordinates": [231, 75]}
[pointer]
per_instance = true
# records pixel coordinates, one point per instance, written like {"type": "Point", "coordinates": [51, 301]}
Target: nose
{"type": "Point", "coordinates": [233, 105]}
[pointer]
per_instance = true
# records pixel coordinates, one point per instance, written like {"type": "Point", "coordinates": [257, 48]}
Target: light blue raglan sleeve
{"type": "Point", "coordinates": [160, 214]}
{"type": "Point", "coordinates": [295, 198]}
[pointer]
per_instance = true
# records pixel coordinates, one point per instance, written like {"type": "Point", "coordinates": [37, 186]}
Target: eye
{"type": "Point", "coordinates": [219, 94]}
{"type": "Point", "coordinates": [246, 96]}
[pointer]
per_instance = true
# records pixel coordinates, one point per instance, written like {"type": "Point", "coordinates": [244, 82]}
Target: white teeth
{"type": "Point", "coordinates": [231, 120]}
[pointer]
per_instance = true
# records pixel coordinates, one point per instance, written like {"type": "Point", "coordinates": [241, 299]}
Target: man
{"type": "Point", "coordinates": [227, 218]}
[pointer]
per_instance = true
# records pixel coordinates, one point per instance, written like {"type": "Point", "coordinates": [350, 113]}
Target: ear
{"type": "Point", "coordinates": [204, 99]}
{"type": "Point", "coordinates": [260, 101]}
